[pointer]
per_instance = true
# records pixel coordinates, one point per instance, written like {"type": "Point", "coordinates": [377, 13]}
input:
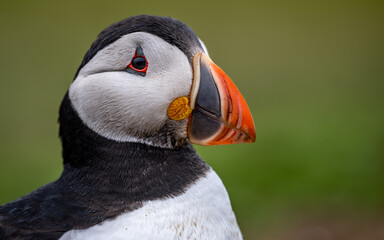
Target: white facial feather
{"type": "Point", "coordinates": [123, 106]}
{"type": "Point", "coordinates": [203, 46]}
{"type": "Point", "coordinates": [203, 212]}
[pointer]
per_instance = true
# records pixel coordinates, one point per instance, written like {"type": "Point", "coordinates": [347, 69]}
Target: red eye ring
{"type": "Point", "coordinates": [139, 63]}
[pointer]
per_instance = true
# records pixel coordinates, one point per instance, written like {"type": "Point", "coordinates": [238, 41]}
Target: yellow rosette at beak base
{"type": "Point", "coordinates": [179, 109]}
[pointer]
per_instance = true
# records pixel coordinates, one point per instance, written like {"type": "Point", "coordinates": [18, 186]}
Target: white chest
{"type": "Point", "coordinates": [202, 212]}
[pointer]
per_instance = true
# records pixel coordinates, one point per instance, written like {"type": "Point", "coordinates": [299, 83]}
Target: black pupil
{"type": "Point", "coordinates": [139, 63]}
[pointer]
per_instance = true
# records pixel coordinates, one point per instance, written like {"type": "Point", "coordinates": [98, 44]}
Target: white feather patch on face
{"type": "Point", "coordinates": [123, 106]}
{"type": "Point", "coordinates": [203, 46]}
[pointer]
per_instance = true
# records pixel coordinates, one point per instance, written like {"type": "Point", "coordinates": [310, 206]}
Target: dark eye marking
{"type": "Point", "coordinates": [138, 64]}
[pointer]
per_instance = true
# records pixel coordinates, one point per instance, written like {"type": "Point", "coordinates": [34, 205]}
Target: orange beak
{"type": "Point", "coordinates": [220, 114]}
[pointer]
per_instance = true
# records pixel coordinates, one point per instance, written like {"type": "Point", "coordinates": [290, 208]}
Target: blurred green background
{"type": "Point", "coordinates": [312, 73]}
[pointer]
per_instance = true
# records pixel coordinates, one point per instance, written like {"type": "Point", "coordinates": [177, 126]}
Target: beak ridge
{"type": "Point", "coordinates": [220, 114]}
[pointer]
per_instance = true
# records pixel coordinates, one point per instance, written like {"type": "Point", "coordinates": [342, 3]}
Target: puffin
{"type": "Point", "coordinates": [145, 91]}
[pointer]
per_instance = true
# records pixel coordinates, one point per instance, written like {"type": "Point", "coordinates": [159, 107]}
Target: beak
{"type": "Point", "coordinates": [220, 114]}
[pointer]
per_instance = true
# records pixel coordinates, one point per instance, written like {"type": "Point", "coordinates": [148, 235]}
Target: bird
{"type": "Point", "coordinates": [145, 91]}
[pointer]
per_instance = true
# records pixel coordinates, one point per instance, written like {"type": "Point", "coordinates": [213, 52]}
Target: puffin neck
{"type": "Point", "coordinates": [137, 172]}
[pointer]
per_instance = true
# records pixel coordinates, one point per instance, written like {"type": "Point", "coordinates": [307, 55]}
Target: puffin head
{"type": "Point", "coordinates": [149, 79]}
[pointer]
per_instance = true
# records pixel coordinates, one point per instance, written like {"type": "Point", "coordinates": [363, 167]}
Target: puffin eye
{"type": "Point", "coordinates": [139, 63]}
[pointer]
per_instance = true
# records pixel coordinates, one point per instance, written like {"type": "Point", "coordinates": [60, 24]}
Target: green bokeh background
{"type": "Point", "coordinates": [312, 73]}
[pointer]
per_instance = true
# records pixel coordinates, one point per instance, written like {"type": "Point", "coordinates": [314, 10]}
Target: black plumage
{"type": "Point", "coordinates": [102, 178]}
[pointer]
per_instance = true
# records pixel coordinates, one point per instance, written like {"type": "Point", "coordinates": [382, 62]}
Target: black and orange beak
{"type": "Point", "coordinates": [220, 114]}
